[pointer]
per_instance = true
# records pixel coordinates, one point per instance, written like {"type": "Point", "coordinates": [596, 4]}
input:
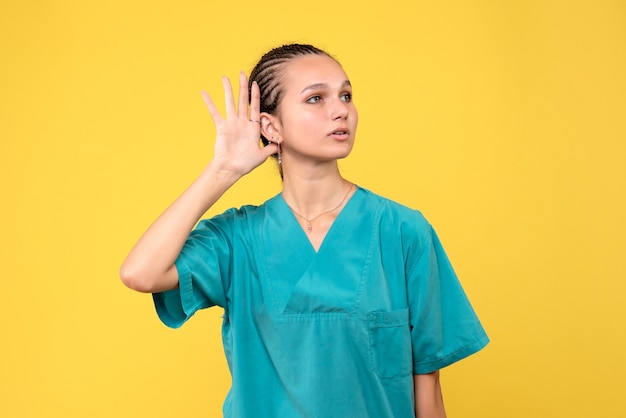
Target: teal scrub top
{"type": "Point", "coordinates": [333, 333]}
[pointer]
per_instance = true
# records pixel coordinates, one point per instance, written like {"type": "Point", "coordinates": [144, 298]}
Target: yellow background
{"type": "Point", "coordinates": [503, 121]}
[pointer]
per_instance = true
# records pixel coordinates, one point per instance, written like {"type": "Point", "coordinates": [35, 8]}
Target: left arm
{"type": "Point", "coordinates": [428, 397]}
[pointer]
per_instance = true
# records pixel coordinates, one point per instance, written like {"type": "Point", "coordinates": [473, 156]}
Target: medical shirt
{"type": "Point", "coordinates": [333, 333]}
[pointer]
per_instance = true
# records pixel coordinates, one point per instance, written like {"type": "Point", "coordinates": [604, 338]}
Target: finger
{"type": "Point", "coordinates": [229, 99]}
{"type": "Point", "coordinates": [215, 113]}
{"type": "Point", "coordinates": [242, 110]}
{"type": "Point", "coordinates": [269, 150]}
{"type": "Point", "coordinates": [255, 102]}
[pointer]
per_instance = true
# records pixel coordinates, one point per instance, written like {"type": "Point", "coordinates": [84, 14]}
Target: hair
{"type": "Point", "coordinates": [268, 74]}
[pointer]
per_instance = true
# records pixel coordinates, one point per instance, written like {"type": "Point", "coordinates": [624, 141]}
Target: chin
{"type": "Point", "coordinates": [342, 152]}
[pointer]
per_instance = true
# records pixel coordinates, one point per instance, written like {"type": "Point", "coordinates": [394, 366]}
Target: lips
{"type": "Point", "coordinates": [340, 133]}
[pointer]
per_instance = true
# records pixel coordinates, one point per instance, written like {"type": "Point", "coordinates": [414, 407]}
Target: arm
{"type": "Point", "coordinates": [149, 267]}
{"type": "Point", "coordinates": [428, 397]}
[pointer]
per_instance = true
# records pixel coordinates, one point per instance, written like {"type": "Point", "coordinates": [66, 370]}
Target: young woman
{"type": "Point", "coordinates": [338, 302]}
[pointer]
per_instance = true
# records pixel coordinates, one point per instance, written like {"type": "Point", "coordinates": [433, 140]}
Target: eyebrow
{"type": "Point", "coordinates": [324, 86]}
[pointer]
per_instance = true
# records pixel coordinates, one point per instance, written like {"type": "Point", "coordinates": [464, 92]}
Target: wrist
{"type": "Point", "coordinates": [220, 175]}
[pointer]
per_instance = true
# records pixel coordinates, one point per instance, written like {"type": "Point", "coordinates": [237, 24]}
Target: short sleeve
{"type": "Point", "coordinates": [445, 328]}
{"type": "Point", "coordinates": [203, 273]}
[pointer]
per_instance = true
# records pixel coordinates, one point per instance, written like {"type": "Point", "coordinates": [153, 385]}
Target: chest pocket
{"type": "Point", "coordinates": [391, 354]}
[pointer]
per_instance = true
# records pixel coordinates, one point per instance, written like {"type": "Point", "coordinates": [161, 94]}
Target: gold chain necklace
{"type": "Point", "coordinates": [308, 221]}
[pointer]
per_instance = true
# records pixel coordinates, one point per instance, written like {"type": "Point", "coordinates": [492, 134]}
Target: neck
{"type": "Point", "coordinates": [314, 191]}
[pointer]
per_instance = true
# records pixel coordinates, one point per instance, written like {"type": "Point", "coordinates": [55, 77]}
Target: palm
{"type": "Point", "coordinates": [237, 146]}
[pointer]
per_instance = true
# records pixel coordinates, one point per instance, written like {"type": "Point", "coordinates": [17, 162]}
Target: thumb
{"type": "Point", "coordinates": [269, 150]}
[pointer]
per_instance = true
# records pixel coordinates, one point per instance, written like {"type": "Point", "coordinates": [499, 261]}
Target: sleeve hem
{"type": "Point", "coordinates": [463, 352]}
{"type": "Point", "coordinates": [175, 307]}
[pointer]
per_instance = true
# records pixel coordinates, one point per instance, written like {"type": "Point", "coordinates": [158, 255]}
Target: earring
{"type": "Point", "coordinates": [280, 159]}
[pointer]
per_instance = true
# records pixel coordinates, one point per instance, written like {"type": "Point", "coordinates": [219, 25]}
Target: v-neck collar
{"type": "Point", "coordinates": [291, 221]}
{"type": "Point", "coordinates": [300, 280]}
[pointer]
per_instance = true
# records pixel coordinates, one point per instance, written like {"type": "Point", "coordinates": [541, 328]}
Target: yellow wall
{"type": "Point", "coordinates": [503, 121]}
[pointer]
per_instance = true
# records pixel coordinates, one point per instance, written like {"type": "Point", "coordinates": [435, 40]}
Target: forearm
{"type": "Point", "coordinates": [428, 396]}
{"type": "Point", "coordinates": [149, 267]}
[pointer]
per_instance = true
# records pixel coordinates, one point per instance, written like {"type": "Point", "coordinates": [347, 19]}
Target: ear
{"type": "Point", "coordinates": [270, 126]}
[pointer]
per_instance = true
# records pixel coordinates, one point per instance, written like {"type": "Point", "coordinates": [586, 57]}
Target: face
{"type": "Point", "coordinates": [316, 118]}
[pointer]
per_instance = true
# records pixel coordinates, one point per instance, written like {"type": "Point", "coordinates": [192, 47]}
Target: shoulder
{"type": "Point", "coordinates": [400, 227]}
{"type": "Point", "coordinates": [397, 215]}
{"type": "Point", "coordinates": [236, 218]}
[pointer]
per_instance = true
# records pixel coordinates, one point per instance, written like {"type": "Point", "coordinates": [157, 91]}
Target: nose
{"type": "Point", "coordinates": [340, 109]}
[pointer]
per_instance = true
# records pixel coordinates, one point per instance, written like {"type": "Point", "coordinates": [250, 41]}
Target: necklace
{"type": "Point", "coordinates": [308, 221]}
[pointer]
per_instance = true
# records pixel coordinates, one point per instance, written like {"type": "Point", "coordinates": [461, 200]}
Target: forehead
{"type": "Point", "coordinates": [306, 70]}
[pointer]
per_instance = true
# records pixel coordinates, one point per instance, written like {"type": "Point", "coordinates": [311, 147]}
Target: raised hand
{"type": "Point", "coordinates": [149, 266]}
{"type": "Point", "coordinates": [237, 143]}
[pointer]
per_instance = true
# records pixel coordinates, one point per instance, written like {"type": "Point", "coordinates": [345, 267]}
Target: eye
{"type": "Point", "coordinates": [346, 97]}
{"type": "Point", "coordinates": [314, 99]}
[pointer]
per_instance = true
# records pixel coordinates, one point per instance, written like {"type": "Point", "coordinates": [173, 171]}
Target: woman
{"type": "Point", "coordinates": [338, 302]}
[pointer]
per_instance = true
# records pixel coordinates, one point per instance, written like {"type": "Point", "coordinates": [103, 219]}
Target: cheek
{"type": "Point", "coordinates": [303, 123]}
{"type": "Point", "coordinates": [310, 120]}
